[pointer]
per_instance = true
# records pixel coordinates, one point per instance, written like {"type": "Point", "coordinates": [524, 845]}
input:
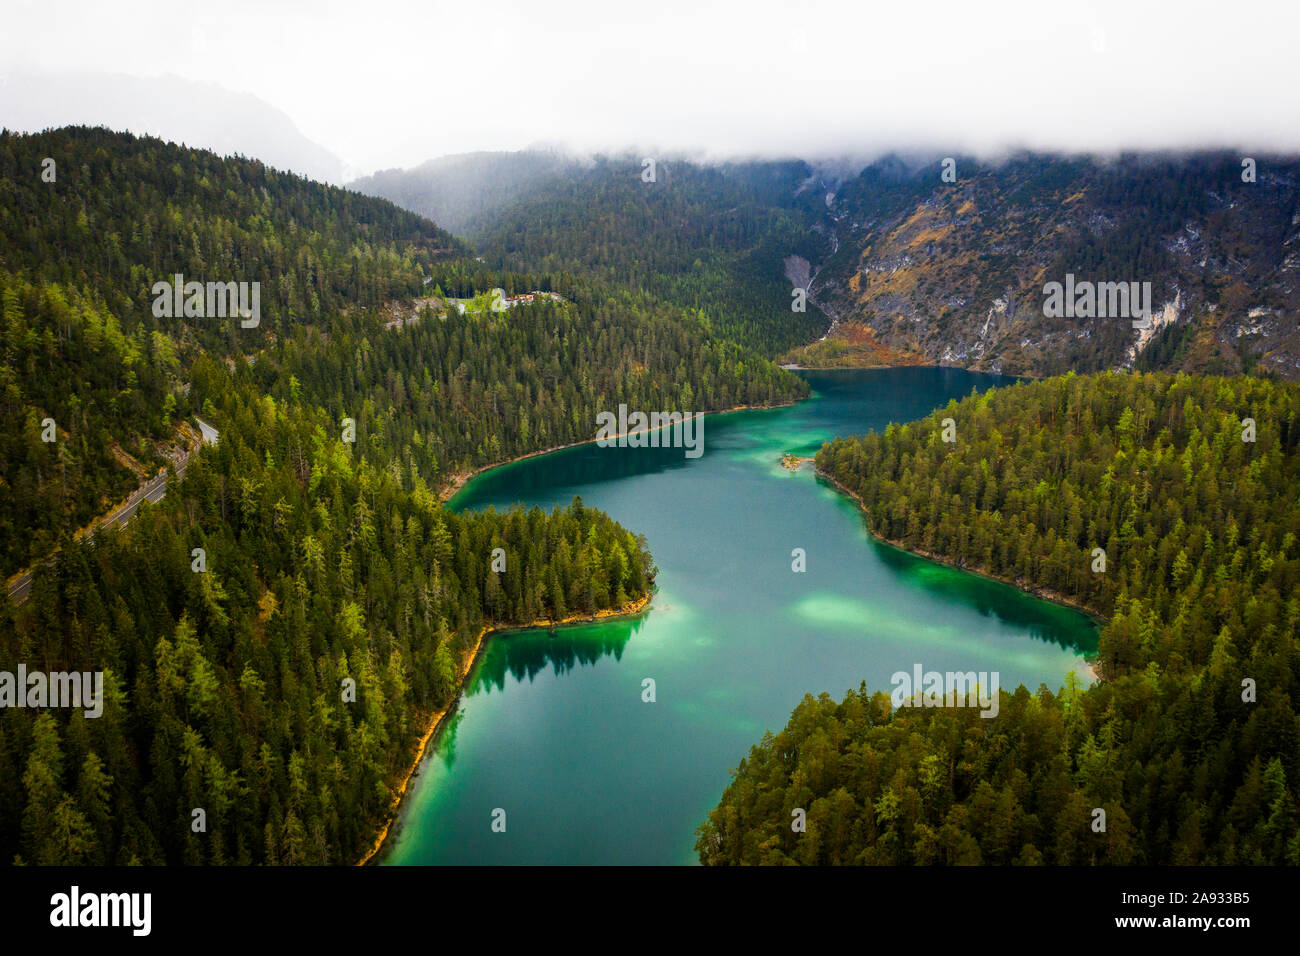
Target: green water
{"type": "Point", "coordinates": [553, 729]}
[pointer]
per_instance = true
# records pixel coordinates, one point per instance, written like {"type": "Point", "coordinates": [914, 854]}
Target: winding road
{"type": "Point", "coordinates": [152, 490]}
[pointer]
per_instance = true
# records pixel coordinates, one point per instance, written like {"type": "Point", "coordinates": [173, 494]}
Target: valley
{"type": "Point", "coordinates": [902, 267]}
{"type": "Point", "coordinates": [369, 662]}
{"type": "Point", "coordinates": [554, 727]}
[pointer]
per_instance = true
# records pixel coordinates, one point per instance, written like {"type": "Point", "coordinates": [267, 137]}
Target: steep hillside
{"type": "Point", "coordinates": [1190, 744]}
{"type": "Point", "coordinates": [710, 239]}
{"type": "Point", "coordinates": [275, 635]}
{"type": "Point", "coordinates": [123, 212]}
{"type": "Point", "coordinates": [462, 192]}
{"type": "Point", "coordinates": [84, 238]}
{"type": "Point", "coordinates": [930, 271]}
{"type": "Point", "coordinates": [913, 268]}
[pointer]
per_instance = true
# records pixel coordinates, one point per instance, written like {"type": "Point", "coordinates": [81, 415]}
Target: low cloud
{"type": "Point", "coordinates": [395, 82]}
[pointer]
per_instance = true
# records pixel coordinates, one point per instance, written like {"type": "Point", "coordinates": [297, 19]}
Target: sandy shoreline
{"type": "Point", "coordinates": [438, 719]}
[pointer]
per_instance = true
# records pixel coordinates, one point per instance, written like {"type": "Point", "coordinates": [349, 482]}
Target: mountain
{"type": "Point", "coordinates": [713, 239]}
{"type": "Point", "coordinates": [1184, 753]}
{"type": "Point", "coordinates": [84, 345]}
{"type": "Point", "coordinates": [936, 272]}
{"type": "Point", "coordinates": [911, 267]}
{"type": "Point", "coordinates": [276, 635]}
{"type": "Point", "coordinates": [201, 115]}
{"type": "Point", "coordinates": [464, 191]}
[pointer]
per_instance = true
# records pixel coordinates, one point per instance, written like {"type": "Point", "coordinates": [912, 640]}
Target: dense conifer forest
{"type": "Point", "coordinates": [81, 345]}
{"type": "Point", "coordinates": [711, 239]}
{"type": "Point", "coordinates": [1190, 742]}
{"type": "Point", "coordinates": [326, 554]}
{"type": "Point", "coordinates": [308, 551]}
{"type": "Point", "coordinates": [225, 687]}
{"type": "Point", "coordinates": [449, 394]}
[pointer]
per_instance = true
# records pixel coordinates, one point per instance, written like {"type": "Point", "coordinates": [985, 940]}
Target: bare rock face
{"type": "Point", "coordinates": [798, 270]}
{"type": "Point", "coordinates": [954, 272]}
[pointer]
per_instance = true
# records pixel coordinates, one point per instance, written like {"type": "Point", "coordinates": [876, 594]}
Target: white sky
{"type": "Point", "coordinates": [394, 82]}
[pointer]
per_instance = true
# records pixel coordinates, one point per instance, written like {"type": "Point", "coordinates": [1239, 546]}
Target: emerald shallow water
{"type": "Point", "coordinates": [553, 729]}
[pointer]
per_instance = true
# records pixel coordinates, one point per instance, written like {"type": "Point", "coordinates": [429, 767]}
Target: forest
{"type": "Point", "coordinates": [310, 549]}
{"type": "Point", "coordinates": [78, 257]}
{"type": "Point", "coordinates": [297, 555]}
{"type": "Point", "coordinates": [709, 239]}
{"type": "Point", "coordinates": [66, 358]}
{"type": "Point", "coordinates": [225, 685]}
{"type": "Point", "coordinates": [81, 346]}
{"type": "Point", "coordinates": [1190, 741]}
{"type": "Point", "coordinates": [445, 395]}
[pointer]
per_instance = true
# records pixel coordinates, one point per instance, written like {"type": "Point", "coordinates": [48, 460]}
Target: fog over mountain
{"type": "Point", "coordinates": [356, 494]}
{"type": "Point", "coordinates": [394, 83]}
{"type": "Point", "coordinates": [200, 114]}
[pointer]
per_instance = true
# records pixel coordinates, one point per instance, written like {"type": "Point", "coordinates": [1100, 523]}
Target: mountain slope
{"type": "Point", "coordinates": [932, 272]}
{"type": "Point", "coordinates": [83, 348]}
{"type": "Point", "coordinates": [200, 115]}
{"type": "Point", "coordinates": [1190, 742]}
{"type": "Point", "coordinates": [913, 268]}
{"type": "Point", "coordinates": [275, 634]}
{"type": "Point", "coordinates": [464, 191]}
{"type": "Point", "coordinates": [712, 239]}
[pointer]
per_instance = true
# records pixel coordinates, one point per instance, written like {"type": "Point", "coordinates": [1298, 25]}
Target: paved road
{"type": "Point", "coordinates": [22, 587]}
{"type": "Point", "coordinates": [152, 490]}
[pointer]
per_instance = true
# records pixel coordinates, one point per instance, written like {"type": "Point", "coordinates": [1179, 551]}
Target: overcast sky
{"type": "Point", "coordinates": [394, 82]}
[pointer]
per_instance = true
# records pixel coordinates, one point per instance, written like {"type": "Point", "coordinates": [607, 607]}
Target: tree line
{"type": "Point", "coordinates": [1190, 741]}
{"type": "Point", "coordinates": [293, 558]}
{"type": "Point", "coordinates": [227, 687]}
{"type": "Point", "coordinates": [81, 345]}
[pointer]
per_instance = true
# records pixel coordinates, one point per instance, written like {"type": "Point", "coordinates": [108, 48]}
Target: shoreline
{"type": "Point", "coordinates": [438, 719]}
{"type": "Point", "coordinates": [460, 479]}
{"type": "Point", "coordinates": [1043, 594]}
{"type": "Point", "coordinates": [875, 367]}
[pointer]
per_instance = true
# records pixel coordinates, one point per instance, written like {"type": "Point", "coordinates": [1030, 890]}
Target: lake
{"type": "Point", "coordinates": [553, 728]}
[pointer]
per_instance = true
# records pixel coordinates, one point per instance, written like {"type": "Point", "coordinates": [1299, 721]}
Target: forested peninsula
{"type": "Point", "coordinates": [277, 632]}
{"type": "Point", "coordinates": [1188, 743]}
